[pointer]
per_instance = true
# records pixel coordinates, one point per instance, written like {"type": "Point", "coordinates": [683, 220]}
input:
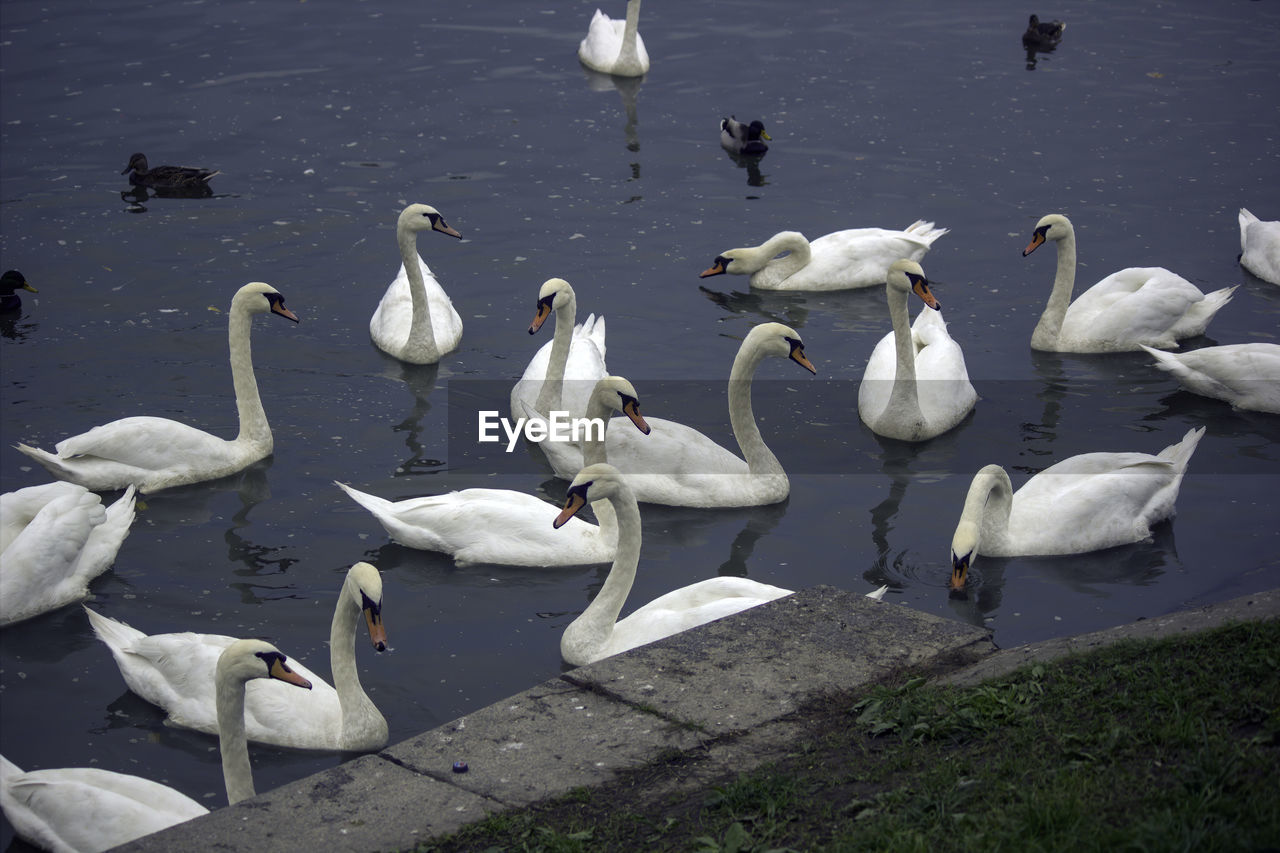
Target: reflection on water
{"type": "Point", "coordinates": [421, 381]}
{"type": "Point", "coordinates": [628, 89]}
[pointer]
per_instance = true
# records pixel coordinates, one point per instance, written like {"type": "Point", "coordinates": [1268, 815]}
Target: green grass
{"type": "Point", "coordinates": [1142, 746]}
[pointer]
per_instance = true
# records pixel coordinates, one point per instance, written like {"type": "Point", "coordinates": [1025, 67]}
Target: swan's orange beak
{"type": "Point", "coordinates": [1037, 240]}
{"type": "Point", "coordinates": [280, 671]}
{"type": "Point", "coordinates": [720, 267]}
{"type": "Point", "coordinates": [373, 621]}
{"type": "Point", "coordinates": [544, 311]}
{"type": "Point", "coordinates": [444, 228]}
{"type": "Point", "coordinates": [920, 287]}
{"type": "Point", "coordinates": [959, 571]}
{"type": "Point", "coordinates": [631, 409]}
{"type": "Point", "coordinates": [574, 501]}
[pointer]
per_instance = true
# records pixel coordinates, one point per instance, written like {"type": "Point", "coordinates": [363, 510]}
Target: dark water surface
{"type": "Point", "coordinates": [1150, 126]}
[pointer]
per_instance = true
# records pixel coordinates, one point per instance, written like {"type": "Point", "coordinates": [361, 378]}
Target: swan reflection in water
{"type": "Point", "coordinates": [628, 89]}
{"type": "Point", "coordinates": [421, 381]}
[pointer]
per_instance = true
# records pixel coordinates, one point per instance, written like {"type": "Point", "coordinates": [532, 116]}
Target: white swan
{"type": "Point", "coordinates": [563, 372]}
{"type": "Point", "coordinates": [598, 633]}
{"type": "Point", "coordinates": [157, 453]}
{"type": "Point", "coordinates": [1135, 306]}
{"type": "Point", "coordinates": [54, 539]}
{"type": "Point", "coordinates": [1260, 246]}
{"type": "Point", "coordinates": [1083, 503]}
{"type": "Point", "coordinates": [615, 47]}
{"type": "Point", "coordinates": [502, 525]}
{"type": "Point", "coordinates": [85, 809]}
{"type": "Point", "coordinates": [415, 321]}
{"type": "Point", "coordinates": [915, 385]}
{"type": "Point", "coordinates": [175, 671]}
{"type": "Point", "coordinates": [676, 465]}
{"type": "Point", "coordinates": [841, 260]}
{"type": "Point", "coordinates": [1245, 375]}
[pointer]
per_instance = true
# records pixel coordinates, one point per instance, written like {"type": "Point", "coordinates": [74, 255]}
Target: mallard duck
{"type": "Point", "coordinates": [1043, 35]}
{"type": "Point", "coordinates": [747, 140]}
{"type": "Point", "coordinates": [166, 177]}
{"type": "Point", "coordinates": [10, 282]}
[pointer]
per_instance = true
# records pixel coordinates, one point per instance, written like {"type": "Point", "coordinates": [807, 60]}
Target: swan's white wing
{"type": "Point", "coordinates": [943, 387]}
{"type": "Point", "coordinates": [1138, 305]}
{"type": "Point", "coordinates": [1245, 375]}
{"type": "Point", "coordinates": [1260, 246]}
{"type": "Point", "coordinates": [688, 607]}
{"type": "Point", "coordinates": [600, 48]}
{"type": "Point", "coordinates": [859, 257]}
{"type": "Point", "coordinates": [877, 379]}
{"type": "Point", "coordinates": [88, 809]}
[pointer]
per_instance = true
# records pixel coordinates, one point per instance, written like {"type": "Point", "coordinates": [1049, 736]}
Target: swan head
{"type": "Point", "coordinates": [595, 482]}
{"type": "Point", "coordinates": [752, 259]}
{"type": "Point", "coordinates": [964, 548]}
{"type": "Point", "coordinates": [554, 295]}
{"type": "Point", "coordinates": [778, 339]}
{"type": "Point", "coordinates": [906, 275]}
{"type": "Point", "coordinates": [364, 586]}
{"type": "Point", "coordinates": [1054, 227]}
{"type": "Point", "coordinates": [258, 297]}
{"type": "Point", "coordinates": [423, 217]}
{"type": "Point", "coordinates": [245, 660]}
{"type": "Point", "coordinates": [618, 394]}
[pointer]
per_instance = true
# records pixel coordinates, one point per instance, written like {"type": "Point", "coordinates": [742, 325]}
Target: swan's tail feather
{"type": "Point", "coordinates": [924, 231]}
{"type": "Point", "coordinates": [115, 634]}
{"type": "Point", "coordinates": [1180, 454]}
{"type": "Point", "coordinates": [1246, 219]}
{"type": "Point", "coordinates": [878, 594]}
{"type": "Point", "coordinates": [592, 328]}
{"type": "Point", "coordinates": [1197, 318]}
{"type": "Point", "coordinates": [373, 503]}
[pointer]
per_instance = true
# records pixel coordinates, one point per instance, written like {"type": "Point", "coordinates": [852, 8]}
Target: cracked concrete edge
{"type": "Point", "coordinates": [1258, 606]}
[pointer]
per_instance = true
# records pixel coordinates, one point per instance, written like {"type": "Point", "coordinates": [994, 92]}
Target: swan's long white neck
{"type": "Point", "coordinates": [232, 741]}
{"type": "Point", "coordinates": [904, 397]}
{"type": "Point", "coordinates": [254, 428]}
{"type": "Point", "coordinates": [759, 458]}
{"type": "Point", "coordinates": [593, 628]}
{"type": "Point", "coordinates": [593, 451]}
{"type": "Point", "coordinates": [1045, 336]}
{"type": "Point", "coordinates": [420, 330]}
{"type": "Point", "coordinates": [629, 55]}
{"type": "Point", "coordinates": [355, 703]}
{"type": "Point", "coordinates": [551, 393]}
{"type": "Point", "coordinates": [767, 268]}
{"type": "Point", "coordinates": [986, 509]}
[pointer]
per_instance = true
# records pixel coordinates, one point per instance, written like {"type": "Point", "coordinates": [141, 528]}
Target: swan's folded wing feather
{"type": "Point", "coordinates": [1139, 304]}
{"type": "Point", "coordinates": [145, 442]}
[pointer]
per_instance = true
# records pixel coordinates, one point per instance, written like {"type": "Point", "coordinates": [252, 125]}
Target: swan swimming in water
{"type": "Point", "coordinates": [1127, 309]}
{"type": "Point", "coordinates": [1245, 375]}
{"type": "Point", "coordinates": [915, 385]}
{"type": "Point", "coordinates": [563, 372]}
{"type": "Point", "coordinates": [841, 260]}
{"type": "Point", "coordinates": [598, 632]}
{"type": "Point", "coordinates": [1083, 503]}
{"type": "Point", "coordinates": [84, 809]}
{"type": "Point", "coordinates": [54, 539]}
{"type": "Point", "coordinates": [175, 672]}
{"type": "Point", "coordinates": [157, 453]}
{"type": "Point", "coordinates": [1260, 246]}
{"type": "Point", "coordinates": [502, 525]}
{"type": "Point", "coordinates": [415, 321]}
{"type": "Point", "coordinates": [615, 47]}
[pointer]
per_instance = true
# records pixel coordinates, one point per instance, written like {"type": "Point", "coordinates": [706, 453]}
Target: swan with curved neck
{"type": "Point", "coordinates": [677, 465]}
{"type": "Point", "coordinates": [597, 632]}
{"type": "Point", "coordinates": [562, 374]}
{"type": "Point", "coordinates": [86, 808]}
{"type": "Point", "coordinates": [615, 47]}
{"type": "Point", "coordinates": [915, 385]}
{"type": "Point", "coordinates": [1125, 310]}
{"type": "Point", "coordinates": [416, 321]}
{"type": "Point", "coordinates": [174, 671]}
{"type": "Point", "coordinates": [158, 453]}
{"type": "Point", "coordinates": [841, 260]}
{"type": "Point", "coordinates": [54, 539]}
{"type": "Point", "coordinates": [504, 526]}
{"type": "Point", "coordinates": [1083, 503]}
